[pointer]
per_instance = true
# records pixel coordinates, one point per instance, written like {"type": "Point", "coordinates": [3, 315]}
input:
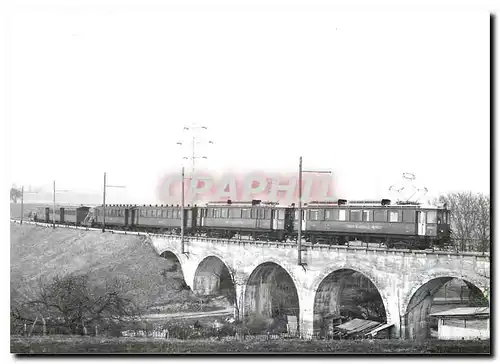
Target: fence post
{"type": "Point", "coordinates": [33, 326]}
{"type": "Point", "coordinates": [44, 329]}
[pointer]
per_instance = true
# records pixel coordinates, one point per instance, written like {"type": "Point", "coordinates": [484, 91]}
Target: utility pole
{"type": "Point", "coordinates": [104, 201]}
{"type": "Point", "coordinates": [182, 213]}
{"type": "Point", "coordinates": [22, 201]}
{"type": "Point", "coordinates": [54, 204]}
{"type": "Point", "coordinates": [22, 198]}
{"type": "Point", "coordinates": [183, 179]}
{"type": "Point", "coordinates": [194, 142]}
{"type": "Point", "coordinates": [299, 230]}
{"type": "Point", "coordinates": [54, 207]}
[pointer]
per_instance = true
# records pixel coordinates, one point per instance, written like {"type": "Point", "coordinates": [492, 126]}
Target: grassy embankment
{"type": "Point", "coordinates": [42, 252]}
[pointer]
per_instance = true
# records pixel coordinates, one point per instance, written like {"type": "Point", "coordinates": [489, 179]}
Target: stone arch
{"type": "Point", "coordinates": [213, 276]}
{"type": "Point", "coordinates": [329, 289]}
{"type": "Point", "coordinates": [173, 257]}
{"type": "Point", "coordinates": [367, 273]}
{"type": "Point", "coordinates": [417, 303]}
{"type": "Point", "coordinates": [283, 264]}
{"type": "Point", "coordinates": [271, 292]}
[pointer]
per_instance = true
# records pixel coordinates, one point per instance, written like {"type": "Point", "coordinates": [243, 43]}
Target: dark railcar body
{"type": "Point", "coordinates": [242, 218]}
{"type": "Point", "coordinates": [163, 217]}
{"type": "Point", "coordinates": [115, 215]}
{"type": "Point", "coordinates": [422, 224]}
{"type": "Point", "coordinates": [75, 215]}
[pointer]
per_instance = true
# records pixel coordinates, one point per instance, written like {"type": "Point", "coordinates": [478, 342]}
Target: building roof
{"type": "Point", "coordinates": [464, 311]}
{"type": "Point", "coordinates": [377, 329]}
{"type": "Point", "coordinates": [358, 325]}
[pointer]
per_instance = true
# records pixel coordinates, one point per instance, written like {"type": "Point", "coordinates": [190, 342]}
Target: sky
{"type": "Point", "coordinates": [367, 96]}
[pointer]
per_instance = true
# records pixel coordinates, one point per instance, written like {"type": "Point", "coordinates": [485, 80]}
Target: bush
{"type": "Point", "coordinates": [256, 323]}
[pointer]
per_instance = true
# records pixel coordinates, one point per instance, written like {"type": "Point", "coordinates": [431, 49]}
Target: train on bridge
{"type": "Point", "coordinates": [395, 225]}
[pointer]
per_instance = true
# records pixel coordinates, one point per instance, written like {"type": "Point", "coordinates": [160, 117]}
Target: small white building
{"type": "Point", "coordinates": [464, 323]}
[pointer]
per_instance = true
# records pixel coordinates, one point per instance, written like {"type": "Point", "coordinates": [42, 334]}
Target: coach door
{"type": "Point", "coordinates": [421, 218]}
{"type": "Point", "coordinates": [274, 215]}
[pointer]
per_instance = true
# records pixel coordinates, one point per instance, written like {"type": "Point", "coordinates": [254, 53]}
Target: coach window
{"type": "Point", "coordinates": [409, 216]}
{"type": "Point", "coordinates": [380, 215]}
{"type": "Point", "coordinates": [245, 213]}
{"type": "Point", "coordinates": [329, 214]}
{"type": "Point", "coordinates": [267, 213]}
{"type": "Point", "coordinates": [342, 215]}
{"type": "Point", "coordinates": [224, 213]}
{"type": "Point", "coordinates": [393, 216]}
{"type": "Point", "coordinates": [431, 217]}
{"type": "Point", "coordinates": [367, 215]}
{"type": "Point", "coordinates": [313, 214]}
{"type": "Point", "coordinates": [281, 214]}
{"type": "Point", "coordinates": [355, 215]}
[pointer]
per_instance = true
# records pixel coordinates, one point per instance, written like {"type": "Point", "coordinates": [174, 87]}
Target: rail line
{"type": "Point", "coordinates": [305, 246]}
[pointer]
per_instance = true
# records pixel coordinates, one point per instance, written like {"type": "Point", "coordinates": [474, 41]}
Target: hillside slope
{"type": "Point", "coordinates": [43, 252]}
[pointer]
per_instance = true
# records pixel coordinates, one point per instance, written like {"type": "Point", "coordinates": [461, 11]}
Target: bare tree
{"type": "Point", "coordinates": [15, 194]}
{"type": "Point", "coordinates": [483, 223]}
{"type": "Point", "coordinates": [72, 303]}
{"type": "Point", "coordinates": [470, 220]}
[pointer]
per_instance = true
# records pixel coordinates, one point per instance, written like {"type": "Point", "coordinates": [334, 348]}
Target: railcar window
{"type": "Point", "coordinates": [409, 216]}
{"type": "Point", "coordinates": [281, 214]}
{"type": "Point", "coordinates": [255, 213]}
{"type": "Point", "coordinates": [224, 213]}
{"type": "Point", "coordinates": [342, 215]}
{"type": "Point", "coordinates": [393, 216]}
{"type": "Point", "coordinates": [233, 212]}
{"type": "Point", "coordinates": [330, 214]}
{"type": "Point", "coordinates": [355, 215]}
{"type": "Point", "coordinates": [245, 213]}
{"type": "Point", "coordinates": [267, 214]}
{"type": "Point", "coordinates": [367, 215]}
{"type": "Point", "coordinates": [297, 214]}
{"type": "Point", "coordinates": [431, 217]}
{"type": "Point", "coordinates": [261, 214]}
{"type": "Point", "coordinates": [313, 214]}
{"type": "Point", "coordinates": [216, 213]}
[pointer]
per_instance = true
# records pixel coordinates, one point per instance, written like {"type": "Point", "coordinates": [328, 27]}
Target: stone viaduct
{"type": "Point", "coordinates": [256, 271]}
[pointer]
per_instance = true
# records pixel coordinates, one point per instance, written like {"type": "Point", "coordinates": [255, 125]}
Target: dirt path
{"type": "Point", "coordinates": [227, 311]}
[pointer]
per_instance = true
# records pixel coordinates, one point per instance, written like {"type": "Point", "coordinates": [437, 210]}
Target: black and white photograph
{"type": "Point", "coordinates": [240, 178]}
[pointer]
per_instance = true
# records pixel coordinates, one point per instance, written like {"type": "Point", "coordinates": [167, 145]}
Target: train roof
{"type": "Point", "coordinates": [257, 203]}
{"type": "Point", "coordinates": [372, 203]}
